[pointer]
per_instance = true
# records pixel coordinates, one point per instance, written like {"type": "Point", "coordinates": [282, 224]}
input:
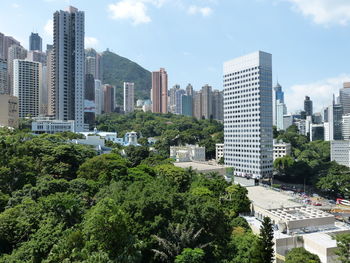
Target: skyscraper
{"type": "Point", "coordinates": [197, 104]}
{"type": "Point", "coordinates": [89, 101]}
{"type": "Point", "coordinates": [160, 91]}
{"type": "Point", "coordinates": [3, 76]}
{"type": "Point", "coordinates": [172, 98]}
{"type": "Point", "coordinates": [90, 66]}
{"type": "Point", "coordinates": [207, 109]}
{"type": "Point", "coordinates": [248, 114]}
{"type": "Point", "coordinates": [187, 105]}
{"type": "Point", "coordinates": [308, 106]}
{"type": "Point", "coordinates": [335, 119]}
{"type": "Point", "coordinates": [178, 101]}
{"type": "Point", "coordinates": [5, 43]}
{"type": "Point", "coordinates": [35, 42]}
{"type": "Point", "coordinates": [68, 66]}
{"type": "Point", "coordinates": [98, 97]}
{"type": "Point", "coordinates": [218, 105]}
{"type": "Point", "coordinates": [14, 52]}
{"type": "Point", "coordinates": [27, 80]}
{"type": "Point", "coordinates": [50, 80]}
{"type": "Point", "coordinates": [344, 97]}
{"type": "Point", "coordinates": [129, 99]}
{"type": "Point", "coordinates": [108, 98]}
{"type": "Point", "coordinates": [279, 107]}
{"type": "Point", "coordinates": [189, 90]}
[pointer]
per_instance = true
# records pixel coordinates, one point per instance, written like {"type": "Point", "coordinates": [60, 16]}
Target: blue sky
{"type": "Point", "coordinates": [309, 39]}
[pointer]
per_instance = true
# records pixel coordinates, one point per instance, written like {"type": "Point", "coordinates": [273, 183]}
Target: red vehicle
{"type": "Point", "coordinates": [341, 201]}
{"type": "Point", "coordinates": [317, 204]}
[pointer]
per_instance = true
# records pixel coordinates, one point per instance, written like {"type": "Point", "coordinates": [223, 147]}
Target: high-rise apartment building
{"type": "Point", "coordinates": [68, 66]}
{"type": "Point", "coordinates": [248, 115]}
{"type": "Point", "coordinates": [14, 52]}
{"type": "Point", "coordinates": [93, 63]}
{"type": "Point", "coordinates": [197, 104]}
{"type": "Point", "coordinates": [207, 109]}
{"type": "Point", "coordinates": [98, 97]}
{"type": "Point", "coordinates": [37, 56]}
{"type": "Point", "coordinates": [160, 91]}
{"type": "Point", "coordinates": [189, 90]}
{"type": "Point", "coordinates": [172, 98]}
{"type": "Point", "coordinates": [5, 43]}
{"type": "Point", "coordinates": [3, 76]}
{"type": "Point", "coordinates": [178, 101]}
{"type": "Point", "coordinates": [129, 98]}
{"type": "Point", "coordinates": [346, 127]}
{"type": "Point", "coordinates": [89, 101]}
{"type": "Point", "coordinates": [108, 98]}
{"type": "Point", "coordinates": [308, 108]}
{"type": "Point", "coordinates": [35, 42]}
{"type": "Point", "coordinates": [27, 83]}
{"type": "Point", "coordinates": [218, 105]}
{"type": "Point", "coordinates": [344, 97]}
{"type": "Point", "coordinates": [50, 81]}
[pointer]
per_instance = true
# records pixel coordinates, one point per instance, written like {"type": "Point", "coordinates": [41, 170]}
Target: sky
{"type": "Point", "coordinates": [308, 39]}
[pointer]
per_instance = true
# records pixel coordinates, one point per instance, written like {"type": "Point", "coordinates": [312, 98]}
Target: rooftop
{"type": "Point", "coordinates": [269, 199]}
{"type": "Point", "coordinates": [199, 166]}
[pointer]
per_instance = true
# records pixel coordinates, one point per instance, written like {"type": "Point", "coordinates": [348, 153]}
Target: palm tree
{"type": "Point", "coordinates": [178, 238]}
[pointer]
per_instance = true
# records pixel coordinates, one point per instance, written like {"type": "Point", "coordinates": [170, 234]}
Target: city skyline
{"type": "Point", "coordinates": [298, 65]}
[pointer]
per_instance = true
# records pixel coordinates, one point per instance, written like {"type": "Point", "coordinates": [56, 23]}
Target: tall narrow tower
{"type": "Point", "coordinates": [160, 91]}
{"type": "Point", "coordinates": [248, 115]}
{"type": "Point", "coordinates": [68, 66]}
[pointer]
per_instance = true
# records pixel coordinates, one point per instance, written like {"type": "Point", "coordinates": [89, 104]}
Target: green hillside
{"type": "Point", "coordinates": [117, 69]}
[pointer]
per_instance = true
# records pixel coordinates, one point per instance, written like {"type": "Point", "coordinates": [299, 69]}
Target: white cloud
{"type": "Point", "coordinates": [131, 10]}
{"type": "Point", "coordinates": [325, 12]}
{"type": "Point", "coordinates": [204, 11]}
{"type": "Point", "coordinates": [91, 42]}
{"type": "Point", "coordinates": [15, 5]}
{"type": "Point", "coordinates": [320, 92]}
{"type": "Point", "coordinates": [48, 28]}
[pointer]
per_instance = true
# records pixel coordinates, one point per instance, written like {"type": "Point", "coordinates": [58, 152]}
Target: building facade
{"type": "Point", "coordinates": [219, 151]}
{"type": "Point", "coordinates": [344, 98]}
{"type": "Point", "coordinates": [108, 98]}
{"type": "Point", "coordinates": [248, 115]}
{"type": "Point", "coordinates": [281, 149]}
{"type": "Point", "coordinates": [218, 105]}
{"type": "Point", "coordinates": [160, 91]}
{"type": "Point", "coordinates": [9, 114]}
{"type": "Point", "coordinates": [68, 66]}
{"type": "Point", "coordinates": [207, 109]}
{"type": "Point", "coordinates": [188, 153]}
{"type": "Point", "coordinates": [3, 76]}
{"type": "Point", "coordinates": [129, 97]}
{"type": "Point", "coordinates": [14, 52]}
{"type": "Point", "coordinates": [340, 152]}
{"type": "Point", "coordinates": [27, 80]}
{"type": "Point", "coordinates": [187, 105]}
{"type": "Point", "coordinates": [98, 97]}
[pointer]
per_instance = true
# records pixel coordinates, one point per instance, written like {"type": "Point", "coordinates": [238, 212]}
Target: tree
{"type": "Point", "coordinates": [106, 229]}
{"type": "Point", "coordinates": [178, 238]}
{"type": "Point", "coordinates": [301, 255]}
{"type": "Point", "coordinates": [175, 175]}
{"type": "Point", "coordinates": [343, 250]}
{"type": "Point", "coordinates": [136, 154]}
{"type": "Point", "coordinates": [104, 168]}
{"type": "Point", "coordinates": [266, 241]}
{"type": "Point", "coordinates": [189, 255]}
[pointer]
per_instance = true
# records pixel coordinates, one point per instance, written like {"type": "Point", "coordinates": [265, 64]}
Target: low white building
{"type": "Point", "coordinates": [295, 225]}
{"type": "Point", "coordinates": [281, 149]}
{"type": "Point", "coordinates": [219, 151]}
{"type": "Point", "coordinates": [52, 126]}
{"type": "Point", "coordinates": [187, 153]}
{"type": "Point", "coordinates": [340, 152]}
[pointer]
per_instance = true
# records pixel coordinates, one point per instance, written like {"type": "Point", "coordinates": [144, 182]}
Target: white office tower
{"type": "Point", "coordinates": [129, 100]}
{"type": "Point", "coordinates": [281, 110]}
{"type": "Point", "coordinates": [27, 85]}
{"type": "Point", "coordinates": [248, 115]}
{"type": "Point", "coordinates": [68, 67]}
{"type": "Point", "coordinates": [98, 97]}
{"type": "Point", "coordinates": [346, 127]}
